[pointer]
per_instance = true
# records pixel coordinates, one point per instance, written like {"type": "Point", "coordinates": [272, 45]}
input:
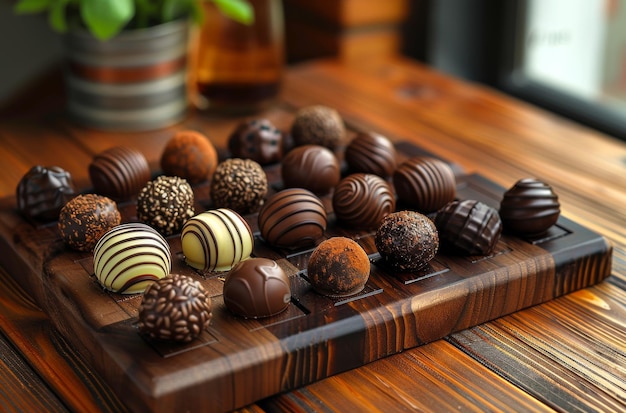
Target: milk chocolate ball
{"type": "Point", "coordinates": [529, 207]}
{"type": "Point", "coordinates": [318, 125]}
{"type": "Point", "coordinates": [311, 167]}
{"type": "Point", "coordinates": [424, 183]}
{"type": "Point", "coordinates": [372, 153]}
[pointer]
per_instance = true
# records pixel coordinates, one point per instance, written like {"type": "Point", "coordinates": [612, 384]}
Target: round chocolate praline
{"type": "Point", "coordinates": [318, 125]}
{"type": "Point", "coordinates": [372, 153]}
{"type": "Point", "coordinates": [85, 219]}
{"type": "Point", "coordinates": [240, 185]}
{"type": "Point", "coordinates": [311, 167]}
{"type": "Point", "coordinates": [469, 226]}
{"type": "Point", "coordinates": [43, 191]}
{"type": "Point", "coordinates": [256, 288]}
{"type": "Point", "coordinates": [189, 155]}
{"type": "Point", "coordinates": [165, 204]}
{"type": "Point", "coordinates": [176, 308]}
{"type": "Point", "coordinates": [119, 172]}
{"type": "Point", "coordinates": [257, 139]}
{"type": "Point", "coordinates": [529, 207]}
{"type": "Point", "coordinates": [363, 200]}
{"type": "Point", "coordinates": [407, 240]}
{"type": "Point", "coordinates": [338, 267]}
{"type": "Point", "coordinates": [425, 183]}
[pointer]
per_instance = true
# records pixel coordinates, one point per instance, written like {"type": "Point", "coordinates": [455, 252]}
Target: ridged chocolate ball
{"type": "Point", "coordinates": [176, 308]}
{"type": "Point", "coordinates": [43, 191]}
{"type": "Point", "coordinates": [407, 240]}
{"type": "Point", "coordinates": [362, 200]}
{"type": "Point", "coordinates": [189, 155]}
{"type": "Point", "coordinates": [119, 172]}
{"type": "Point", "coordinates": [529, 207]}
{"type": "Point", "coordinates": [256, 288]}
{"type": "Point", "coordinates": [240, 185]}
{"type": "Point", "coordinates": [311, 167]}
{"type": "Point", "coordinates": [371, 153]}
{"type": "Point", "coordinates": [292, 219]}
{"type": "Point", "coordinates": [469, 226]}
{"type": "Point", "coordinates": [425, 183]}
{"type": "Point", "coordinates": [318, 125]}
{"type": "Point", "coordinates": [257, 139]}
{"type": "Point", "coordinates": [165, 204]}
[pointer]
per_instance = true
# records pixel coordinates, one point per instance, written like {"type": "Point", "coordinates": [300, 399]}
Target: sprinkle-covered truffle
{"type": "Point", "coordinates": [240, 185]}
{"type": "Point", "coordinates": [43, 191]}
{"type": "Point", "coordinates": [318, 125]}
{"type": "Point", "coordinates": [189, 155]}
{"type": "Point", "coordinates": [165, 204]}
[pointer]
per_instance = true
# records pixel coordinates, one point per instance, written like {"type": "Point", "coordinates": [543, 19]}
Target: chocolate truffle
{"type": "Point", "coordinates": [318, 125]}
{"type": "Point", "coordinates": [424, 183]}
{"type": "Point", "coordinates": [371, 153]}
{"type": "Point", "coordinates": [257, 139]}
{"type": "Point", "coordinates": [165, 204]}
{"type": "Point", "coordinates": [43, 191]}
{"type": "Point", "coordinates": [529, 207]}
{"type": "Point", "coordinates": [119, 172]}
{"type": "Point", "coordinates": [256, 288]}
{"type": "Point", "coordinates": [240, 185]}
{"type": "Point", "coordinates": [175, 308]}
{"type": "Point", "coordinates": [86, 218]}
{"type": "Point", "coordinates": [338, 267]}
{"type": "Point", "coordinates": [407, 240]}
{"type": "Point", "coordinates": [131, 256]}
{"type": "Point", "coordinates": [311, 167]}
{"type": "Point", "coordinates": [189, 155]}
{"type": "Point", "coordinates": [362, 200]}
{"type": "Point", "coordinates": [292, 219]}
{"type": "Point", "coordinates": [469, 226]}
{"type": "Point", "coordinates": [216, 240]}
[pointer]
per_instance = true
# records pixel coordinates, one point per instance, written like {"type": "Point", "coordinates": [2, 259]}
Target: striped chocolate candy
{"type": "Point", "coordinates": [216, 240]}
{"type": "Point", "coordinates": [119, 172]}
{"type": "Point", "coordinates": [425, 183]}
{"type": "Point", "coordinates": [130, 256]}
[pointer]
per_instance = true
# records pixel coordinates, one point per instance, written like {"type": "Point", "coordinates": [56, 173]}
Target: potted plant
{"type": "Point", "coordinates": [127, 59]}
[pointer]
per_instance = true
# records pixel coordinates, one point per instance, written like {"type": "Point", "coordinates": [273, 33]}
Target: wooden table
{"type": "Point", "coordinates": [568, 354]}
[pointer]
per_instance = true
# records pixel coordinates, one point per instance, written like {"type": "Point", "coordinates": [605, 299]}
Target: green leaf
{"type": "Point", "coordinates": [106, 18]}
{"type": "Point", "coordinates": [31, 6]}
{"type": "Point", "coordinates": [56, 18]}
{"type": "Point", "coordinates": [238, 10]}
{"type": "Point", "coordinates": [173, 9]}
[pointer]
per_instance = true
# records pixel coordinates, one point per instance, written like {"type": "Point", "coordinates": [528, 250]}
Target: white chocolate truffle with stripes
{"type": "Point", "coordinates": [216, 240]}
{"type": "Point", "coordinates": [131, 256]}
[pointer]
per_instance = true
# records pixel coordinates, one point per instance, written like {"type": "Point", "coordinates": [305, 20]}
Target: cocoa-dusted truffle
{"type": "Point", "coordinates": [338, 267]}
{"type": "Point", "coordinates": [256, 288]}
{"type": "Point", "coordinates": [240, 185]}
{"type": "Point", "coordinates": [363, 200]}
{"type": "Point", "coordinates": [529, 207]}
{"type": "Point", "coordinates": [189, 155]}
{"type": "Point", "coordinates": [175, 308]}
{"type": "Point", "coordinates": [292, 219]}
{"type": "Point", "coordinates": [119, 172]}
{"type": "Point", "coordinates": [372, 153]}
{"type": "Point", "coordinates": [312, 167]}
{"type": "Point", "coordinates": [425, 183]}
{"type": "Point", "coordinates": [85, 219]}
{"type": "Point", "coordinates": [165, 204]}
{"type": "Point", "coordinates": [469, 226]}
{"type": "Point", "coordinates": [318, 125]}
{"type": "Point", "coordinates": [257, 139]}
{"type": "Point", "coordinates": [43, 191]}
{"type": "Point", "coordinates": [407, 240]}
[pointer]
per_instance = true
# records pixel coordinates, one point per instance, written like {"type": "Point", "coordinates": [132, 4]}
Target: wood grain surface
{"type": "Point", "coordinates": [567, 354]}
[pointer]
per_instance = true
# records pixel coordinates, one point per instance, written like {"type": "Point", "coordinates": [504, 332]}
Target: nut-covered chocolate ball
{"type": "Point", "coordinates": [363, 200]}
{"type": "Point", "coordinates": [43, 191]}
{"type": "Point", "coordinates": [311, 167]}
{"type": "Point", "coordinates": [240, 185]}
{"type": "Point", "coordinates": [529, 207]}
{"type": "Point", "coordinates": [119, 172]}
{"type": "Point", "coordinates": [165, 204]}
{"type": "Point", "coordinates": [175, 308]}
{"type": "Point", "coordinates": [318, 125]}
{"type": "Point", "coordinates": [469, 226]}
{"type": "Point", "coordinates": [257, 139]}
{"type": "Point", "coordinates": [189, 155]}
{"type": "Point", "coordinates": [371, 153]}
{"type": "Point", "coordinates": [425, 183]}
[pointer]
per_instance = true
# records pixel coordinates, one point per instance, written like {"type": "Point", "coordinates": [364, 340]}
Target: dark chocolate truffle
{"type": "Point", "coordinates": [407, 240]}
{"type": "Point", "coordinates": [257, 287]}
{"type": "Point", "coordinates": [189, 155]}
{"type": "Point", "coordinates": [292, 219]}
{"type": "Point", "coordinates": [43, 191]}
{"type": "Point", "coordinates": [240, 185]}
{"type": "Point", "coordinates": [529, 207]}
{"type": "Point", "coordinates": [119, 172]}
{"type": "Point", "coordinates": [311, 167]}
{"type": "Point", "coordinates": [363, 200]}
{"type": "Point", "coordinates": [85, 219]}
{"type": "Point", "coordinates": [338, 267]}
{"type": "Point", "coordinates": [424, 183]}
{"type": "Point", "coordinates": [165, 204]}
{"type": "Point", "coordinates": [318, 125]}
{"type": "Point", "coordinates": [371, 153]}
{"type": "Point", "coordinates": [469, 226]}
{"type": "Point", "coordinates": [175, 308]}
{"type": "Point", "coordinates": [257, 139]}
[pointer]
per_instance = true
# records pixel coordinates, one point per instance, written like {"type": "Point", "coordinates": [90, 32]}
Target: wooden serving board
{"type": "Point", "coordinates": [238, 361]}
